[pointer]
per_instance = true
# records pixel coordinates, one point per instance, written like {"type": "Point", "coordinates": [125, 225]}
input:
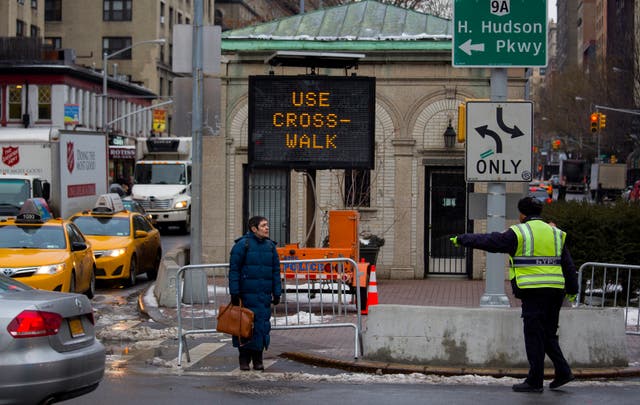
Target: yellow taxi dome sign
{"type": "Point", "coordinates": [109, 203]}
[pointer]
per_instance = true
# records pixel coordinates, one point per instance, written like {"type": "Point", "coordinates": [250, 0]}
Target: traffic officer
{"type": "Point", "coordinates": [541, 273]}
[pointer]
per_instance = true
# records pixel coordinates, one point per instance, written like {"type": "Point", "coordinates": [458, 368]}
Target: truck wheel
{"type": "Point", "coordinates": [185, 227]}
{"type": "Point", "coordinates": [131, 281]}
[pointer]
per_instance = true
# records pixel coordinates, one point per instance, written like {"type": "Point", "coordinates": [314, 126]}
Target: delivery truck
{"type": "Point", "coordinates": [607, 180]}
{"type": "Point", "coordinates": [162, 180]}
{"type": "Point", "coordinates": [573, 175]}
{"type": "Point", "coordinates": [66, 168]}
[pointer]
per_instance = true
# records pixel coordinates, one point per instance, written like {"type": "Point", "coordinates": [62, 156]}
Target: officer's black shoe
{"type": "Point", "coordinates": [560, 381]}
{"type": "Point", "coordinates": [525, 387]}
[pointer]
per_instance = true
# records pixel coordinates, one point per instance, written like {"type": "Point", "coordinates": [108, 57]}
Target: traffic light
{"type": "Point", "coordinates": [556, 144]}
{"type": "Point", "coordinates": [594, 122]}
{"type": "Point", "coordinates": [462, 122]}
{"type": "Point", "coordinates": [603, 121]}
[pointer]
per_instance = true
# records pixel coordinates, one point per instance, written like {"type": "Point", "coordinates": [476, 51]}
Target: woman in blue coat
{"type": "Point", "coordinates": [254, 279]}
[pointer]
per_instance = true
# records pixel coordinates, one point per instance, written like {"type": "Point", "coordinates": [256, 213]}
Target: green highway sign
{"type": "Point", "coordinates": [499, 33]}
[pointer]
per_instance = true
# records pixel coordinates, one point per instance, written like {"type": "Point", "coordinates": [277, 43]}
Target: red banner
{"type": "Point", "coordinates": [81, 190]}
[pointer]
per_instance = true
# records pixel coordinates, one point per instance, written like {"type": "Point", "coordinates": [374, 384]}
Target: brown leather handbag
{"type": "Point", "coordinates": [235, 320]}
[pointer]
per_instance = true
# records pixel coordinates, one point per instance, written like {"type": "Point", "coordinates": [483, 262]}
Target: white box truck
{"type": "Point", "coordinates": [66, 168]}
{"type": "Point", "coordinates": [162, 180]}
{"type": "Point", "coordinates": [607, 180]}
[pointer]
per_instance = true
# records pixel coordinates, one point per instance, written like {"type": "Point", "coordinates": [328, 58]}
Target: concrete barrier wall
{"type": "Point", "coordinates": [165, 287]}
{"type": "Point", "coordinates": [488, 337]}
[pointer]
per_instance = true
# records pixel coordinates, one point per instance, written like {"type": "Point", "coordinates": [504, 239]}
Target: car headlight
{"type": "Point", "coordinates": [113, 252]}
{"type": "Point", "coordinates": [180, 204]}
{"type": "Point", "coordinates": [50, 269]}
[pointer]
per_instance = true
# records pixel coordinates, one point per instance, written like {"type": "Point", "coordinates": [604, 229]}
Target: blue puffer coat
{"type": "Point", "coordinates": [254, 274]}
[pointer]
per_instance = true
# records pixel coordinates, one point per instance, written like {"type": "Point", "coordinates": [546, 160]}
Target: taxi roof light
{"type": "Point", "coordinates": [34, 210]}
{"type": "Point", "coordinates": [108, 204]}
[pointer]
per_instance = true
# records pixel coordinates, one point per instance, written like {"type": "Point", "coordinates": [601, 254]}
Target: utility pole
{"type": "Point", "coordinates": [196, 135]}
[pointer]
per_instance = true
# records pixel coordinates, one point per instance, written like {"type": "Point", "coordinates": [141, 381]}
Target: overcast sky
{"type": "Point", "coordinates": [551, 6]}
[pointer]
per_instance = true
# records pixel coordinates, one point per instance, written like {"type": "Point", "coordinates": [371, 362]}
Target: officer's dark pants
{"type": "Point", "coordinates": [540, 313]}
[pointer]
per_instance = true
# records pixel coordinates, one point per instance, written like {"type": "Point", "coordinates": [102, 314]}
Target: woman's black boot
{"type": "Point", "coordinates": [256, 357]}
{"type": "Point", "coordinates": [244, 359]}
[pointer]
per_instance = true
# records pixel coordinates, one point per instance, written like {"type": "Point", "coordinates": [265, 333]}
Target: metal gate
{"type": "Point", "coordinates": [267, 194]}
{"type": "Point", "coordinates": [445, 214]}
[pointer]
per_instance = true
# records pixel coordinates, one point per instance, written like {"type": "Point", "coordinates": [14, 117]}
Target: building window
{"type": "Point", "coordinates": [15, 102]}
{"type": "Point", "coordinates": [34, 4]}
{"type": "Point", "coordinates": [53, 42]}
{"type": "Point", "coordinates": [116, 10]}
{"type": "Point", "coordinates": [170, 17]}
{"type": "Point", "coordinates": [114, 44]}
{"type": "Point", "coordinates": [162, 13]}
{"type": "Point", "coordinates": [179, 17]}
{"type": "Point", "coordinates": [19, 28]}
{"type": "Point", "coordinates": [357, 188]}
{"type": "Point", "coordinates": [44, 102]}
{"type": "Point", "coordinates": [20, 1]}
{"type": "Point", "coordinates": [53, 10]}
{"type": "Point", "coordinates": [35, 31]}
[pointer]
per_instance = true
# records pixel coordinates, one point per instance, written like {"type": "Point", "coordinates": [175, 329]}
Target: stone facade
{"type": "Point", "coordinates": [416, 96]}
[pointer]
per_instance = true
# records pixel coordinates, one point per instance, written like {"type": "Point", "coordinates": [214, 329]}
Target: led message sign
{"type": "Point", "coordinates": [311, 122]}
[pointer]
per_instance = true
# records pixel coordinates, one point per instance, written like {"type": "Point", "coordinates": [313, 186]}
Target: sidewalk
{"type": "Point", "coordinates": [334, 347]}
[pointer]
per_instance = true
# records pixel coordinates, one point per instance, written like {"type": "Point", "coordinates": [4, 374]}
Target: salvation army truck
{"type": "Point", "coordinates": [66, 168]}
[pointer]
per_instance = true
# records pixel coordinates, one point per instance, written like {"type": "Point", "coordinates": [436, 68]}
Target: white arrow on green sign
{"type": "Point", "coordinates": [499, 33]}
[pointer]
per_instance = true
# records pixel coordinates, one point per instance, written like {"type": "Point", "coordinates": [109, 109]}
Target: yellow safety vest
{"type": "Point", "coordinates": [537, 261]}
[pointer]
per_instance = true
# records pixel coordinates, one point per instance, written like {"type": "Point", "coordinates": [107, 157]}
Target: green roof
{"type": "Point", "coordinates": [364, 25]}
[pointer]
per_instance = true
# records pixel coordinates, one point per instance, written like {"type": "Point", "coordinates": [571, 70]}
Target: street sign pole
{"type": "Point", "coordinates": [498, 34]}
{"type": "Point", "coordinates": [494, 295]}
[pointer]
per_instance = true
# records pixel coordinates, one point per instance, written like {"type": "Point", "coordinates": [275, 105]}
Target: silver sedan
{"type": "Point", "coordinates": [48, 347]}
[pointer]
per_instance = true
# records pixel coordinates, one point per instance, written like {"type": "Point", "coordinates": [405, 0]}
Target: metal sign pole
{"type": "Point", "coordinates": [494, 295]}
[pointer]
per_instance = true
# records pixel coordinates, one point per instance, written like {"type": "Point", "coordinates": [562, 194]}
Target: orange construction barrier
{"type": "Point", "coordinates": [372, 294]}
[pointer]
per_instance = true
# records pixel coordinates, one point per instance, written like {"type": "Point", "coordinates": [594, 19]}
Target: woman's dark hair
{"type": "Point", "coordinates": [255, 221]}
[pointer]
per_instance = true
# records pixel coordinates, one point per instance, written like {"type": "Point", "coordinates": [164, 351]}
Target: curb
{"type": "Point", "coordinates": [379, 367]}
{"type": "Point", "coordinates": [152, 313]}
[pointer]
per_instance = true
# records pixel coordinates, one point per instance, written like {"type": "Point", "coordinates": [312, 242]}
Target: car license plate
{"type": "Point", "coordinates": [77, 330]}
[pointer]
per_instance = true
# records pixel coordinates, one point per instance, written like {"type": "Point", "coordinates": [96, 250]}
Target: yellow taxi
{"type": "Point", "coordinates": [125, 243]}
{"type": "Point", "coordinates": [46, 253]}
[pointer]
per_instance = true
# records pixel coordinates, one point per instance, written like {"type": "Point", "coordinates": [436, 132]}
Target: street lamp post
{"type": "Point", "coordinates": [105, 59]}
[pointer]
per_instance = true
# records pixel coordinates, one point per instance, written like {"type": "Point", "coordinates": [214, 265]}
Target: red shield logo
{"type": "Point", "coordinates": [70, 157]}
{"type": "Point", "coordinates": [10, 155]}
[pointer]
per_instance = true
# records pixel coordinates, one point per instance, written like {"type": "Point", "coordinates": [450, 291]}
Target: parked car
{"type": "Point", "coordinates": [125, 243]}
{"type": "Point", "coordinates": [48, 347]}
{"type": "Point", "coordinates": [46, 253]}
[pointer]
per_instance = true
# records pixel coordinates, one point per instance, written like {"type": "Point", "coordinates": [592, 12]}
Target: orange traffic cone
{"type": "Point", "coordinates": [372, 294]}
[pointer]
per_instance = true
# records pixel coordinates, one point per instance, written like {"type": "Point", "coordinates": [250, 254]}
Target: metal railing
{"type": "Point", "coordinates": [610, 284]}
{"type": "Point", "coordinates": [309, 299]}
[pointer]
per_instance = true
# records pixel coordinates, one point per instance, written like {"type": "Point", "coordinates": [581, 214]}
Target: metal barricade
{"type": "Point", "coordinates": [309, 299]}
{"type": "Point", "coordinates": [610, 284]}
